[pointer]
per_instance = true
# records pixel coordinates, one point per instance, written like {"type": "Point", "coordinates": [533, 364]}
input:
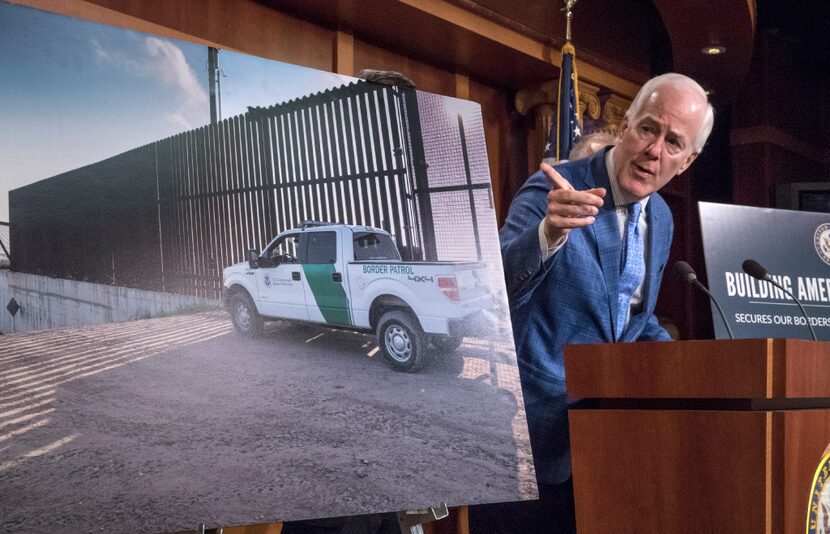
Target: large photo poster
{"type": "Point", "coordinates": [241, 291]}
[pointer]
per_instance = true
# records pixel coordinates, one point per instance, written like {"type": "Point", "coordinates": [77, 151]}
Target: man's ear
{"type": "Point", "coordinates": [622, 128]}
{"type": "Point", "coordinates": [691, 157]}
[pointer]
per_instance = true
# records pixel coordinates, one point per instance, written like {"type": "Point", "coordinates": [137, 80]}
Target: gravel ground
{"type": "Point", "coordinates": [164, 424]}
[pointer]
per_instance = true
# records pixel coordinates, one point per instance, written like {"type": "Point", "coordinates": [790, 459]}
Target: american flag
{"type": "Point", "coordinates": [565, 129]}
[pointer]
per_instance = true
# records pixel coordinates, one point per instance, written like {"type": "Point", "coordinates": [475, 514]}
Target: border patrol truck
{"type": "Point", "coordinates": [353, 277]}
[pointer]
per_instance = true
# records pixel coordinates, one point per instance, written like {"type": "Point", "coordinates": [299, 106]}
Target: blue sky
{"type": "Point", "coordinates": [75, 92]}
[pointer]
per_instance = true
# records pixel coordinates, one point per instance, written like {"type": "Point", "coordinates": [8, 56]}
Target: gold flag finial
{"type": "Point", "coordinates": [568, 9]}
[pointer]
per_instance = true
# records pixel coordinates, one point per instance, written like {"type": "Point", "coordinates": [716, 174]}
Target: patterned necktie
{"type": "Point", "coordinates": [632, 266]}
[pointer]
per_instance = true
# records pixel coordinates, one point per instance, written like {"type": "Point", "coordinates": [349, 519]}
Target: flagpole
{"type": "Point", "coordinates": [564, 129]}
{"type": "Point", "coordinates": [569, 5]}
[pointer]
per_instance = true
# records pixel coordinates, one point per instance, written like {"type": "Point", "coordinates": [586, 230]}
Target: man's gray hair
{"type": "Point", "coordinates": [678, 81]}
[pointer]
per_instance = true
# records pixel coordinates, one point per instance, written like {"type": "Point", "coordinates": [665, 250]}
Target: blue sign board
{"type": "Point", "coordinates": [793, 246]}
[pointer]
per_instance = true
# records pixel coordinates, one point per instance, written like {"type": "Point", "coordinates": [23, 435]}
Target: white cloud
{"type": "Point", "coordinates": [167, 63]}
{"type": "Point", "coordinates": [100, 53]}
{"type": "Point", "coordinates": [163, 61]}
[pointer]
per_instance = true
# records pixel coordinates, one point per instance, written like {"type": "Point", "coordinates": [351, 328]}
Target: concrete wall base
{"type": "Point", "coordinates": [47, 303]}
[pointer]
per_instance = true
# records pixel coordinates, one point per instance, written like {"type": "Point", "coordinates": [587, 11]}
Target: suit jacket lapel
{"type": "Point", "coordinates": [606, 232]}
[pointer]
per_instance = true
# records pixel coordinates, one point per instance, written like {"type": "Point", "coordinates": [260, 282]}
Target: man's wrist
{"type": "Point", "coordinates": [547, 250]}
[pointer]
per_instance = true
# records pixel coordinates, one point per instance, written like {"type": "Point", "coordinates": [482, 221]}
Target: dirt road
{"type": "Point", "coordinates": [167, 423]}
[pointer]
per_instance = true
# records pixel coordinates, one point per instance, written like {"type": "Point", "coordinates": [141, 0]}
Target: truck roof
{"type": "Point", "coordinates": [305, 225]}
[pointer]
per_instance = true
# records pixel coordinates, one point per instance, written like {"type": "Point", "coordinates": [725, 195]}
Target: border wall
{"type": "Point", "coordinates": [170, 215]}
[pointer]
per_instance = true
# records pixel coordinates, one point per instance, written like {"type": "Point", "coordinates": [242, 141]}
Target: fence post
{"type": "Point", "coordinates": [419, 172]}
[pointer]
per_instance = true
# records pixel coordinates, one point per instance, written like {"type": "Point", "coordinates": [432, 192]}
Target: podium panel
{"type": "Point", "coordinates": [654, 471]}
{"type": "Point", "coordinates": [705, 436]}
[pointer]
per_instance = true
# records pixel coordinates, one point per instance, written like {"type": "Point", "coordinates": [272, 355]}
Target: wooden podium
{"type": "Point", "coordinates": [697, 436]}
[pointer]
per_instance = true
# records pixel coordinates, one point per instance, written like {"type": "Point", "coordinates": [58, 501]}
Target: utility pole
{"type": "Point", "coordinates": [213, 84]}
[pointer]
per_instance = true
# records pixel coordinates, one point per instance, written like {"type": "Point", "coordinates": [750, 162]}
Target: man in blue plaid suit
{"type": "Point", "coordinates": [564, 246]}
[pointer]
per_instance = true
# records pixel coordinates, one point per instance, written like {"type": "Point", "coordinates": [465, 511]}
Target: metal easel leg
{"type": "Point", "coordinates": [411, 522]}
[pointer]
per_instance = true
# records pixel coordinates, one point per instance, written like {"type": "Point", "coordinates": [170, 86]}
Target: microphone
{"type": "Point", "coordinates": [756, 270]}
{"type": "Point", "coordinates": [685, 270]}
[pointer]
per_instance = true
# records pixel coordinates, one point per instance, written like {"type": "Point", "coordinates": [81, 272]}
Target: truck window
{"type": "Point", "coordinates": [286, 245]}
{"type": "Point", "coordinates": [372, 246]}
{"type": "Point", "coordinates": [321, 247]}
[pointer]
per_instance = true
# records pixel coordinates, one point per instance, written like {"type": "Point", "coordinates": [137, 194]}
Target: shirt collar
{"type": "Point", "coordinates": [621, 198]}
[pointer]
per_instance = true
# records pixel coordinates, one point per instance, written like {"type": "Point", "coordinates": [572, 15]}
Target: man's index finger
{"type": "Point", "coordinates": [556, 180]}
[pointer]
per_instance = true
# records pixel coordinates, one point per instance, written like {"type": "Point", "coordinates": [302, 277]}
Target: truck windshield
{"type": "Point", "coordinates": [372, 246]}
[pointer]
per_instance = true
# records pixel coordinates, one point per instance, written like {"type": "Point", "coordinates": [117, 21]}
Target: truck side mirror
{"type": "Point", "coordinates": [253, 258]}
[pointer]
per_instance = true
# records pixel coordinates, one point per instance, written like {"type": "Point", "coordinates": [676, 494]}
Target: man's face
{"type": "Point", "coordinates": [658, 144]}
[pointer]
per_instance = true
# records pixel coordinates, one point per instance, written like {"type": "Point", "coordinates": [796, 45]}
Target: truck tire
{"type": "Point", "coordinates": [445, 343]}
{"type": "Point", "coordinates": [401, 340]}
{"type": "Point", "coordinates": [244, 316]}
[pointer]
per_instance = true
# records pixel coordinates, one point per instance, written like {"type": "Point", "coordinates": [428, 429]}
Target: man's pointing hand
{"type": "Point", "coordinates": [567, 207]}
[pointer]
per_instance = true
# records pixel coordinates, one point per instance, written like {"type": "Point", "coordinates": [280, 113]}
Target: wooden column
{"type": "Point", "coordinates": [462, 86]}
{"type": "Point", "coordinates": [539, 102]}
{"type": "Point", "coordinates": [343, 53]}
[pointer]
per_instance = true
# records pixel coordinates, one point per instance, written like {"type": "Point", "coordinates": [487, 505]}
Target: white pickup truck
{"type": "Point", "coordinates": [353, 277]}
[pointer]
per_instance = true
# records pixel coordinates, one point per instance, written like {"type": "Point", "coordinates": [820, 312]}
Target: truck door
{"type": "Point", "coordinates": [280, 280]}
{"type": "Point", "coordinates": [324, 267]}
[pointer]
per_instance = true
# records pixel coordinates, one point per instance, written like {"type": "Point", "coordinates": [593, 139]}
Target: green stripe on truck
{"type": "Point", "coordinates": [329, 295]}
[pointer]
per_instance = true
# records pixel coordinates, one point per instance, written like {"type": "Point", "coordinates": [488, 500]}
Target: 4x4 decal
{"type": "Point", "coordinates": [420, 279]}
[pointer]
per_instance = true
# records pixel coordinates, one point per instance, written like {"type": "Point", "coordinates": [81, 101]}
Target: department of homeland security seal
{"type": "Point", "coordinates": [818, 509]}
{"type": "Point", "coordinates": [821, 240]}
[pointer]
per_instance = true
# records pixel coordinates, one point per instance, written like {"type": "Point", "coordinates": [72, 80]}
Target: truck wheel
{"type": "Point", "coordinates": [402, 341]}
{"type": "Point", "coordinates": [245, 318]}
{"type": "Point", "coordinates": [446, 343]}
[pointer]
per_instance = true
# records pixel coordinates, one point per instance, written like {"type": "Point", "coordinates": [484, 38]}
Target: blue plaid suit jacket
{"type": "Point", "coordinates": [570, 299]}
